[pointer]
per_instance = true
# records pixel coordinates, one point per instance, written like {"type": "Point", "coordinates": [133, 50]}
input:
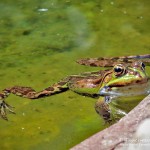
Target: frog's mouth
{"type": "Point", "coordinates": [131, 90]}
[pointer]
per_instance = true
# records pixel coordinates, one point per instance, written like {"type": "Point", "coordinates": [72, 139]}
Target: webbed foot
{"type": "Point", "coordinates": [3, 108]}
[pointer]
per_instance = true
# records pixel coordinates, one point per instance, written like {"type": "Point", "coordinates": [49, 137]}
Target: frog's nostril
{"type": "Point", "coordinates": [107, 88]}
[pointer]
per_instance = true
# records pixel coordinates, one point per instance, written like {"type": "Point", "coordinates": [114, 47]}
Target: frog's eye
{"type": "Point", "coordinates": [143, 66]}
{"type": "Point", "coordinates": [119, 70]}
{"type": "Point", "coordinates": [139, 64]}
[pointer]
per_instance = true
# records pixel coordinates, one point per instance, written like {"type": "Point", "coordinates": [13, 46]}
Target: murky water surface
{"type": "Point", "coordinates": [39, 43]}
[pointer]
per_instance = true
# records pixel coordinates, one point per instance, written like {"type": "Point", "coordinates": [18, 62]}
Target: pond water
{"type": "Point", "coordinates": [39, 44]}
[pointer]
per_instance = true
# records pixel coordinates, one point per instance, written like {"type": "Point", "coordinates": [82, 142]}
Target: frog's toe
{"type": "Point", "coordinates": [9, 108]}
{"type": "Point", "coordinates": [3, 107]}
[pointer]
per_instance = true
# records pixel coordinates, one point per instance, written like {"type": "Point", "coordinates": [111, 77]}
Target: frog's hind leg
{"type": "Point", "coordinates": [59, 87]}
{"type": "Point", "coordinates": [3, 105]}
{"type": "Point", "coordinates": [29, 93]}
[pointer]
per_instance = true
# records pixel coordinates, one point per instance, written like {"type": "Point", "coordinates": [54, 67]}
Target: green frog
{"type": "Point", "coordinates": [127, 78]}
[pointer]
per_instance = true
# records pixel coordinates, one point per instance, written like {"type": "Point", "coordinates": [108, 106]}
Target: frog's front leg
{"type": "Point", "coordinates": [106, 109]}
{"type": "Point", "coordinates": [102, 108]}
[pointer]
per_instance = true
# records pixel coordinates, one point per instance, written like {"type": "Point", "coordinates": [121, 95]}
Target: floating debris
{"type": "Point", "coordinates": [43, 9]}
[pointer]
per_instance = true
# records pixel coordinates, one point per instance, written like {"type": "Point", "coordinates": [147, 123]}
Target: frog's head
{"type": "Point", "coordinates": [126, 80]}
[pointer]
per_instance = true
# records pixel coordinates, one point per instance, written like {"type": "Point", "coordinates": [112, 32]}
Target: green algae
{"type": "Point", "coordinates": [39, 44]}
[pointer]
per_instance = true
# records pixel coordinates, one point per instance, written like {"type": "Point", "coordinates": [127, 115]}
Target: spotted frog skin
{"type": "Point", "coordinates": [127, 77]}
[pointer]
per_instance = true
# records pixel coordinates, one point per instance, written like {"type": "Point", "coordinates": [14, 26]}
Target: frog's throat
{"type": "Point", "coordinates": [130, 90]}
